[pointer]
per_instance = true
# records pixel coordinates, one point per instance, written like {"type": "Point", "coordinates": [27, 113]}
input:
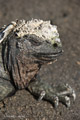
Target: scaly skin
{"type": "Point", "coordinates": [26, 46]}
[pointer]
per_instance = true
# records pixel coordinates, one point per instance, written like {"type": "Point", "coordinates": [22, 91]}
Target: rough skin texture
{"type": "Point", "coordinates": [26, 47]}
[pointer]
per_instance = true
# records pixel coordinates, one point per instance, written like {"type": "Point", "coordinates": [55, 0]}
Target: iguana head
{"type": "Point", "coordinates": [41, 39]}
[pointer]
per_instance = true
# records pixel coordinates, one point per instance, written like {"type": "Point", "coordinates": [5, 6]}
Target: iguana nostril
{"type": "Point", "coordinates": [55, 45]}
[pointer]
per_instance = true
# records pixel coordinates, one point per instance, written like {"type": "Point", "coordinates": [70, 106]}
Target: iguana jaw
{"type": "Point", "coordinates": [48, 57]}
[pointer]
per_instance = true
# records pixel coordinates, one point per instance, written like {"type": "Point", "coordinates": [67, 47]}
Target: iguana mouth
{"type": "Point", "coordinates": [48, 56]}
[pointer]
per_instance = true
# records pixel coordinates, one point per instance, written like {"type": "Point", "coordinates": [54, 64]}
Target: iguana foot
{"type": "Point", "coordinates": [54, 94]}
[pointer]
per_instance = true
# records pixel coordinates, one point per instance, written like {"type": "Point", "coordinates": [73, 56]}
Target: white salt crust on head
{"type": "Point", "coordinates": [39, 28]}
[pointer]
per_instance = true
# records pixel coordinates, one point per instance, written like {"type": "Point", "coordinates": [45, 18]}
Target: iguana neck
{"type": "Point", "coordinates": [23, 70]}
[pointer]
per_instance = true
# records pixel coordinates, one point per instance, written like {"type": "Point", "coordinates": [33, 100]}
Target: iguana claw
{"type": "Point", "coordinates": [42, 94]}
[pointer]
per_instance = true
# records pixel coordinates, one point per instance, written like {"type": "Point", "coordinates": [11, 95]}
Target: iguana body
{"type": "Point", "coordinates": [26, 46]}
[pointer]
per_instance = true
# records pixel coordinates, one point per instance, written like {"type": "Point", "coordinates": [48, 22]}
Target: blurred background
{"type": "Point", "coordinates": [66, 15]}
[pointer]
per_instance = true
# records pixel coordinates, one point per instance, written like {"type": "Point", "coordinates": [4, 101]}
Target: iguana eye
{"type": "Point", "coordinates": [55, 45]}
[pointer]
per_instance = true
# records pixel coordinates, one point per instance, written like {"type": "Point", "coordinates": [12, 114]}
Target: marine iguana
{"type": "Point", "coordinates": [26, 46]}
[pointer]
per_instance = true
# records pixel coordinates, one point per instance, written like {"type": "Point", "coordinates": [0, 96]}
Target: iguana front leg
{"type": "Point", "coordinates": [54, 94]}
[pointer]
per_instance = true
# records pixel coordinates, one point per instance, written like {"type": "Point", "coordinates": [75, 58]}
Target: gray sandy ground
{"type": "Point", "coordinates": [66, 15]}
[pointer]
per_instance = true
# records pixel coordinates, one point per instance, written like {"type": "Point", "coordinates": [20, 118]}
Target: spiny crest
{"type": "Point", "coordinates": [39, 28]}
